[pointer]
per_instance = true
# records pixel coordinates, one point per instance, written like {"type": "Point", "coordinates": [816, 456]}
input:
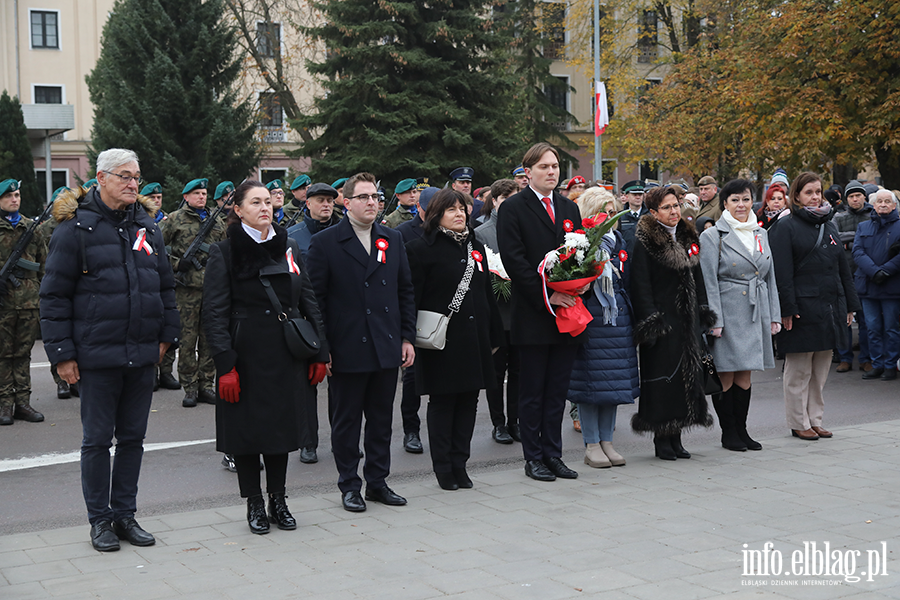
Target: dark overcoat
{"type": "Point", "coordinates": [876, 248]}
{"type": "Point", "coordinates": [486, 233]}
{"type": "Point", "coordinates": [465, 364]}
{"type": "Point", "coordinates": [819, 291]}
{"type": "Point", "coordinates": [244, 333]}
{"type": "Point", "coordinates": [526, 234]}
{"type": "Point", "coordinates": [368, 306]}
{"type": "Point", "coordinates": [670, 312]}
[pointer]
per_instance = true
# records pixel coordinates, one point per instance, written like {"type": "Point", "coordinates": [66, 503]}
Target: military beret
{"type": "Point", "coordinates": [339, 183]}
{"type": "Point", "coordinates": [8, 185]}
{"type": "Point", "coordinates": [574, 180]}
{"type": "Point", "coordinates": [151, 188]}
{"type": "Point", "coordinates": [462, 174]}
{"type": "Point", "coordinates": [195, 184]}
{"type": "Point", "coordinates": [520, 170]}
{"type": "Point", "coordinates": [301, 181]}
{"type": "Point", "coordinates": [405, 186]}
{"type": "Point", "coordinates": [275, 184]}
{"type": "Point", "coordinates": [633, 187]}
{"type": "Point", "coordinates": [321, 189]}
{"type": "Point", "coordinates": [707, 180]}
{"type": "Point", "coordinates": [421, 183]}
{"type": "Point", "coordinates": [89, 184]}
{"type": "Point", "coordinates": [223, 189]}
{"type": "Point", "coordinates": [57, 192]}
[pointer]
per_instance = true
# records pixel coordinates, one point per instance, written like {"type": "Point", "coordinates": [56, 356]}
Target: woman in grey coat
{"type": "Point", "coordinates": [740, 284]}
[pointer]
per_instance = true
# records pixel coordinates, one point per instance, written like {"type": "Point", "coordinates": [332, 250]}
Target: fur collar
{"type": "Point", "coordinates": [674, 254]}
{"type": "Point", "coordinates": [70, 200]}
{"type": "Point", "coordinates": [248, 257]}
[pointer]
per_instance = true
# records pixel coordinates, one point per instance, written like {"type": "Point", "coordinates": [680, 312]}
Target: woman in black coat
{"type": "Point", "coordinates": [815, 289]}
{"type": "Point", "coordinates": [452, 377]}
{"type": "Point", "coordinates": [670, 312]}
{"type": "Point", "coordinates": [263, 389]}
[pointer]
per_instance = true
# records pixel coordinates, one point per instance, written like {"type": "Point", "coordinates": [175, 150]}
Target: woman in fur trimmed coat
{"type": "Point", "coordinates": [670, 312]}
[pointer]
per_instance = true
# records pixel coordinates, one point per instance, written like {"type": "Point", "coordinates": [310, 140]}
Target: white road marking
{"type": "Point", "coordinates": [45, 460]}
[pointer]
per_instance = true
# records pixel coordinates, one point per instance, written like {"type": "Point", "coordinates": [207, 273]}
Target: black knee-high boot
{"type": "Point", "coordinates": [741, 409]}
{"type": "Point", "coordinates": [724, 405]}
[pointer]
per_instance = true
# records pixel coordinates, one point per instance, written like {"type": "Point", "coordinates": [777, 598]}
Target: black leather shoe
{"type": "Point", "coordinates": [228, 463]}
{"type": "Point", "coordinates": [663, 447]}
{"type": "Point", "coordinates": [73, 388]}
{"type": "Point", "coordinates": [559, 468]}
{"type": "Point", "coordinates": [168, 381]}
{"type": "Point", "coordinates": [447, 481]}
{"type": "Point", "coordinates": [353, 502]}
{"type": "Point", "coordinates": [538, 470]}
{"type": "Point", "coordinates": [6, 415]}
{"type": "Point", "coordinates": [677, 448]}
{"type": "Point", "coordinates": [26, 413]}
{"type": "Point", "coordinates": [385, 495]}
{"type": "Point", "coordinates": [103, 538]}
{"type": "Point", "coordinates": [279, 513]}
{"type": "Point", "coordinates": [462, 479]}
{"type": "Point", "coordinates": [190, 400]}
{"type": "Point", "coordinates": [889, 375]}
{"type": "Point", "coordinates": [501, 435]}
{"type": "Point", "coordinates": [207, 396]}
{"type": "Point", "coordinates": [256, 515]}
{"type": "Point", "coordinates": [514, 432]}
{"type": "Point", "coordinates": [874, 374]}
{"type": "Point", "coordinates": [308, 456]}
{"type": "Point", "coordinates": [62, 391]}
{"type": "Point", "coordinates": [412, 443]}
{"type": "Point", "coordinates": [128, 529]}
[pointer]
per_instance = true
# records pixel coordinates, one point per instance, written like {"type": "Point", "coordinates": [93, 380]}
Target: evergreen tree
{"type": "Point", "coordinates": [165, 86]}
{"type": "Point", "coordinates": [16, 161]}
{"type": "Point", "coordinates": [413, 89]}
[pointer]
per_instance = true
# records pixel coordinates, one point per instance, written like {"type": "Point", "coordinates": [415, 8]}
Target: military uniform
{"type": "Point", "coordinates": [19, 316]}
{"type": "Point", "coordinates": [294, 205]}
{"type": "Point", "coordinates": [196, 370]}
{"type": "Point", "coordinates": [401, 215]}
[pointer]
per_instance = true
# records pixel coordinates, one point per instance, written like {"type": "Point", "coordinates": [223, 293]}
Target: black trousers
{"type": "Point", "coordinates": [410, 402]}
{"type": "Point", "coordinates": [451, 421]}
{"type": "Point", "coordinates": [352, 396]}
{"type": "Point", "coordinates": [506, 359]}
{"type": "Point", "coordinates": [311, 439]}
{"type": "Point", "coordinates": [248, 473]}
{"type": "Point", "coordinates": [543, 385]}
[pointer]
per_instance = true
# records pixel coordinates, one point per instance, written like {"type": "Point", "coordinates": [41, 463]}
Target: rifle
{"type": "Point", "coordinates": [199, 242]}
{"type": "Point", "coordinates": [15, 259]}
{"type": "Point", "coordinates": [293, 220]}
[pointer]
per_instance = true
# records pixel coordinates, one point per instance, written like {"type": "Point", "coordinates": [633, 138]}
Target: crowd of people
{"type": "Point", "coordinates": [265, 297]}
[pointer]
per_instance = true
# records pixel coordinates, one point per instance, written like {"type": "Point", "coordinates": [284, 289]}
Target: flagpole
{"type": "Point", "coordinates": [598, 148]}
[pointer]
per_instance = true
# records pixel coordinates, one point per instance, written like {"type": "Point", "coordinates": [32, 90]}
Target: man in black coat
{"type": "Point", "coordinates": [362, 281]}
{"type": "Point", "coordinates": [530, 224]}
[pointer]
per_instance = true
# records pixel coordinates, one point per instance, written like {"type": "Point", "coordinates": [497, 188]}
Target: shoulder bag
{"type": "Point", "coordinates": [431, 327]}
{"type": "Point", "coordinates": [301, 337]}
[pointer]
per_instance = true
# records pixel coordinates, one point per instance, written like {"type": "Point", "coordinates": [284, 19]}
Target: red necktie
{"type": "Point", "coordinates": [548, 204]}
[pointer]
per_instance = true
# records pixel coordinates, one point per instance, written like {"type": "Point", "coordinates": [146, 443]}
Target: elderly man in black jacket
{"type": "Point", "coordinates": [108, 315]}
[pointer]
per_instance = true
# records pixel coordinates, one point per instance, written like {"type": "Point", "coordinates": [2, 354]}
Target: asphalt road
{"type": "Point", "coordinates": [188, 475]}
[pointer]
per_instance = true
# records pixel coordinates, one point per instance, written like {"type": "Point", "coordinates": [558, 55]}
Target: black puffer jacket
{"type": "Point", "coordinates": [103, 303]}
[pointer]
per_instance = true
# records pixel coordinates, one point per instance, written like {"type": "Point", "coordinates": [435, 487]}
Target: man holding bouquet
{"type": "Point", "coordinates": [530, 224]}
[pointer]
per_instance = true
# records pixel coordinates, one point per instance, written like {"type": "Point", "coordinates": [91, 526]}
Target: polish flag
{"type": "Point", "coordinates": [601, 112]}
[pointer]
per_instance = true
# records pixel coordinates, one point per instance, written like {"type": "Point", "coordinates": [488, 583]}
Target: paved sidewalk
{"type": "Point", "coordinates": [652, 529]}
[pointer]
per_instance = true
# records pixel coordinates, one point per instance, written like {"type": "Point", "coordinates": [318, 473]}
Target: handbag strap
{"type": "Point", "coordinates": [463, 286]}
{"type": "Point", "coordinates": [809, 254]}
{"type": "Point", "coordinates": [273, 298]}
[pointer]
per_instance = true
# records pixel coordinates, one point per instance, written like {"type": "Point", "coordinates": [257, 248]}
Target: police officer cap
{"type": "Point", "coordinates": [275, 184]}
{"type": "Point", "coordinates": [633, 187]}
{"type": "Point", "coordinates": [339, 183]}
{"type": "Point", "coordinates": [151, 188]}
{"type": "Point", "coordinates": [194, 184]}
{"type": "Point", "coordinates": [421, 183]}
{"type": "Point", "coordinates": [301, 181]}
{"type": "Point", "coordinates": [89, 184]}
{"type": "Point", "coordinates": [321, 189]}
{"type": "Point", "coordinates": [57, 192]}
{"type": "Point", "coordinates": [8, 185]}
{"type": "Point", "coordinates": [462, 174]}
{"type": "Point", "coordinates": [520, 170]}
{"type": "Point", "coordinates": [223, 189]}
{"type": "Point", "coordinates": [405, 186]}
{"type": "Point", "coordinates": [650, 184]}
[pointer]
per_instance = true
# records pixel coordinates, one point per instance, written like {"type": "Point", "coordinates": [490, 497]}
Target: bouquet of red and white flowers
{"type": "Point", "coordinates": [574, 265]}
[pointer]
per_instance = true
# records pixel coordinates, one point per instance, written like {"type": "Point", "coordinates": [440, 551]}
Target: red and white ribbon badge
{"type": "Point", "coordinates": [478, 258]}
{"type": "Point", "coordinates": [694, 250]}
{"type": "Point", "coordinates": [759, 244]}
{"type": "Point", "coordinates": [568, 226]}
{"type": "Point", "coordinates": [292, 265]}
{"type": "Point", "coordinates": [382, 245]}
{"type": "Point", "coordinates": [141, 242]}
{"type": "Point", "coordinates": [623, 256]}
{"type": "Point", "coordinates": [833, 243]}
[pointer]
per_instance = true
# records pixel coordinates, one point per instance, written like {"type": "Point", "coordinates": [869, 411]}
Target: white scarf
{"type": "Point", "coordinates": [745, 231]}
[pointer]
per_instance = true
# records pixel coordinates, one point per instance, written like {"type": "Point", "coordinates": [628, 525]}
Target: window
{"type": "Point", "coordinates": [60, 178]}
{"type": "Point", "coordinates": [645, 87]}
{"type": "Point", "coordinates": [48, 94]}
{"type": "Point", "coordinates": [647, 37]}
{"type": "Point", "coordinates": [554, 30]}
{"type": "Point", "coordinates": [558, 96]}
{"type": "Point", "coordinates": [267, 175]}
{"type": "Point", "coordinates": [44, 29]}
{"type": "Point", "coordinates": [268, 39]}
{"type": "Point", "coordinates": [270, 110]}
{"type": "Point", "coordinates": [649, 170]}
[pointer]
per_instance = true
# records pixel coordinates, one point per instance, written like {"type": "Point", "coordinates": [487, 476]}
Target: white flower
{"type": "Point", "coordinates": [579, 256]}
{"type": "Point", "coordinates": [495, 265]}
{"type": "Point", "coordinates": [551, 260]}
{"type": "Point", "coordinates": [576, 240]}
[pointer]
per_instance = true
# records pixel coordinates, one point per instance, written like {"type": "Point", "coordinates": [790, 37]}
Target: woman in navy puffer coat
{"type": "Point", "coordinates": [605, 373]}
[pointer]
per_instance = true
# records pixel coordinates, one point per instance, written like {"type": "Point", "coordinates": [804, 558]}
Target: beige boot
{"type": "Point", "coordinates": [616, 459]}
{"type": "Point", "coordinates": [594, 457]}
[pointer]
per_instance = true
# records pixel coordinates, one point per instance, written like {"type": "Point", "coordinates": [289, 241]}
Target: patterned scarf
{"type": "Point", "coordinates": [457, 236]}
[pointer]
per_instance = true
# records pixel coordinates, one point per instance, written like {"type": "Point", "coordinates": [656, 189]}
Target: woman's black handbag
{"type": "Point", "coordinates": [301, 337]}
{"type": "Point", "coordinates": [711, 382]}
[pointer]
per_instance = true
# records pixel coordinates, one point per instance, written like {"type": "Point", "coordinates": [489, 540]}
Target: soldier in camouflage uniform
{"type": "Point", "coordinates": [196, 370]}
{"type": "Point", "coordinates": [298, 202]}
{"type": "Point", "coordinates": [19, 313]}
{"type": "Point", "coordinates": [407, 194]}
{"type": "Point", "coordinates": [224, 191]}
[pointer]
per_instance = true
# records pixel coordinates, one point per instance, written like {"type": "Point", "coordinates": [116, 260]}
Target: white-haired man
{"type": "Point", "coordinates": [108, 316]}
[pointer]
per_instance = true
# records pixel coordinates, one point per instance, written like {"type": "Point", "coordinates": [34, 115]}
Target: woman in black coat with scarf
{"type": "Point", "coordinates": [670, 312]}
{"type": "Point", "coordinates": [452, 377]}
{"type": "Point", "coordinates": [263, 389]}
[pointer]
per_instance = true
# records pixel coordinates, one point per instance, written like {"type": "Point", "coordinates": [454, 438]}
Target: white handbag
{"type": "Point", "coordinates": [431, 327]}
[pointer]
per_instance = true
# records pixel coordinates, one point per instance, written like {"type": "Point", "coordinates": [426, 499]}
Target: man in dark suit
{"type": "Point", "coordinates": [362, 281]}
{"type": "Point", "coordinates": [530, 224]}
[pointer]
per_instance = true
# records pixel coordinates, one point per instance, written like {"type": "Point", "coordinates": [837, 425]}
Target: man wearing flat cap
{"type": "Point", "coordinates": [709, 201]}
{"type": "Point", "coordinates": [297, 203]}
{"type": "Point", "coordinates": [407, 194]}
{"type": "Point", "coordinates": [196, 371]}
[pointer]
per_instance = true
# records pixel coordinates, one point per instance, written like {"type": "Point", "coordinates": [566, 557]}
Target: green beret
{"type": "Point", "coordinates": [223, 189]}
{"type": "Point", "coordinates": [8, 185]}
{"type": "Point", "coordinates": [301, 181]}
{"type": "Point", "coordinates": [275, 184]}
{"type": "Point", "coordinates": [89, 184]}
{"type": "Point", "coordinates": [194, 184]}
{"type": "Point", "coordinates": [57, 192]}
{"type": "Point", "coordinates": [151, 188]}
{"type": "Point", "coordinates": [405, 186]}
{"type": "Point", "coordinates": [338, 184]}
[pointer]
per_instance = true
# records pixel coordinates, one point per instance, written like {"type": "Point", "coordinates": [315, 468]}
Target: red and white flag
{"type": "Point", "coordinates": [601, 110]}
{"type": "Point", "coordinates": [292, 265]}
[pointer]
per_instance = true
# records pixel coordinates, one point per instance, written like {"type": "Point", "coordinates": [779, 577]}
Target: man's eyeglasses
{"type": "Point", "coordinates": [367, 197]}
{"type": "Point", "coordinates": [126, 178]}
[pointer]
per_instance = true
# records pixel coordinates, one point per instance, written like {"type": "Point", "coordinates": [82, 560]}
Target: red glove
{"type": "Point", "coordinates": [316, 372]}
{"type": "Point", "coordinates": [230, 386]}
